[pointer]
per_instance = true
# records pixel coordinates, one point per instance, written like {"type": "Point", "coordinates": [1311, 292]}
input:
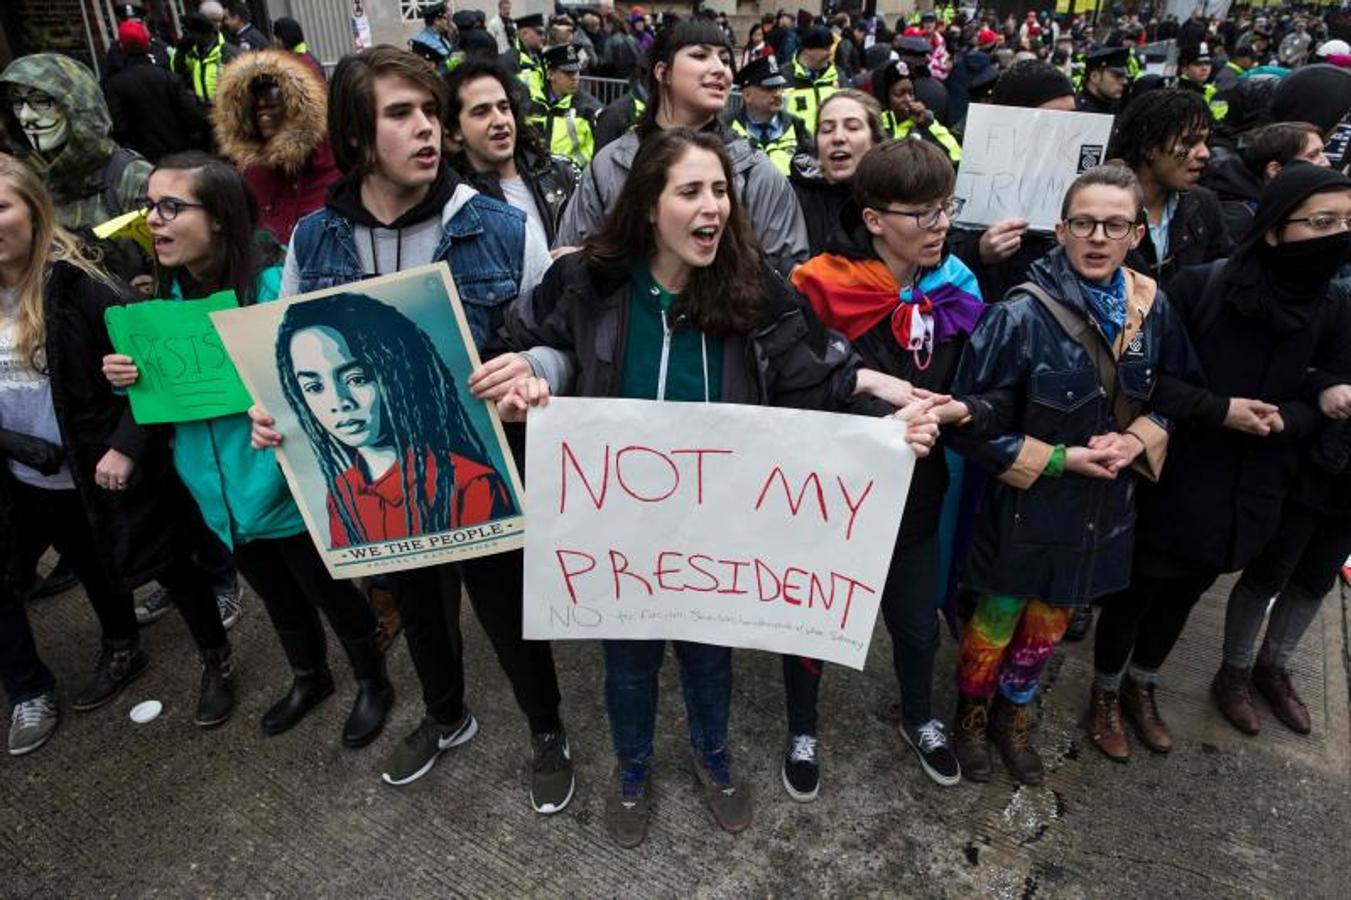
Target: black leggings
{"type": "Point", "coordinates": [57, 518]}
{"type": "Point", "coordinates": [1141, 624]}
{"type": "Point", "coordinates": [429, 607]}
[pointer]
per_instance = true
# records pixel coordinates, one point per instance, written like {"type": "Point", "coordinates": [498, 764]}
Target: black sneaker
{"type": "Point", "coordinates": [930, 743]}
{"type": "Point", "coordinates": [801, 771]}
{"type": "Point", "coordinates": [551, 778]}
{"type": "Point", "coordinates": [154, 607]}
{"type": "Point", "coordinates": [418, 752]}
{"type": "Point", "coordinates": [627, 807]}
{"type": "Point", "coordinates": [119, 663]}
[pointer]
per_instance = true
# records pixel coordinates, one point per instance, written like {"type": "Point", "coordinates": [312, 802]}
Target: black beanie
{"type": "Point", "coordinates": [1296, 182]}
{"type": "Point", "coordinates": [1319, 95]}
{"type": "Point", "coordinates": [1030, 84]}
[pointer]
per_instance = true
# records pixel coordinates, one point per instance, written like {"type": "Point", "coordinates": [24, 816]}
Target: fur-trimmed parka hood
{"type": "Point", "coordinates": [304, 106]}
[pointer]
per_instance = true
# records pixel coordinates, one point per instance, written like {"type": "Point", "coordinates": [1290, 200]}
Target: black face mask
{"type": "Point", "coordinates": [1305, 267]}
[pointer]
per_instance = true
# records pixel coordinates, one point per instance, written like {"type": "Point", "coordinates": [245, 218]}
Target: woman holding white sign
{"type": "Point", "coordinates": [672, 300]}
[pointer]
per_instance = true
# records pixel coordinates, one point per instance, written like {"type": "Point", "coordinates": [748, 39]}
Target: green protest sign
{"type": "Point", "coordinates": [185, 373]}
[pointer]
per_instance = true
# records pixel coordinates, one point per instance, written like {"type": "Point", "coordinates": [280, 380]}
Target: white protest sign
{"type": "Point", "coordinates": [1018, 162]}
{"type": "Point", "coordinates": [734, 525]}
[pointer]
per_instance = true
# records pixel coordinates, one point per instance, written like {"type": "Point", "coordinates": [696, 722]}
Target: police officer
{"type": "Point", "coordinates": [814, 77]}
{"type": "Point", "coordinates": [1194, 66]}
{"type": "Point", "coordinates": [763, 120]}
{"type": "Point", "coordinates": [567, 115]}
{"type": "Point", "coordinates": [524, 56]}
{"type": "Point", "coordinates": [915, 53]}
{"type": "Point", "coordinates": [905, 115]}
{"type": "Point", "coordinates": [432, 43]}
{"type": "Point", "coordinates": [1105, 80]}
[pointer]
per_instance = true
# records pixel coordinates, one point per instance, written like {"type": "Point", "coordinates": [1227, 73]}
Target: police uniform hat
{"type": "Point", "coordinates": [1194, 53]}
{"type": "Point", "coordinates": [1114, 58]}
{"type": "Point", "coordinates": [763, 72]}
{"type": "Point", "coordinates": [563, 58]}
{"type": "Point", "coordinates": [534, 20]}
{"type": "Point", "coordinates": [914, 46]}
{"type": "Point", "coordinates": [818, 37]}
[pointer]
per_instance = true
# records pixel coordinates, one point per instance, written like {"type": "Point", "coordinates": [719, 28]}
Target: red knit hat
{"type": "Point", "coordinates": [133, 36]}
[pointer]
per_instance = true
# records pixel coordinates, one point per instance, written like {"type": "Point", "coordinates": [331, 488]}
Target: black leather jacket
{"type": "Point", "coordinates": [551, 180]}
{"type": "Point", "coordinates": [1030, 386]}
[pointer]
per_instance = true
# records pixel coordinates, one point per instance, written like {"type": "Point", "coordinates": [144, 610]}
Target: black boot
{"type": "Point", "coordinates": [375, 693]}
{"type": "Point", "coordinates": [216, 700]}
{"type": "Point", "coordinates": [119, 663]}
{"type": "Point", "coordinates": [312, 683]}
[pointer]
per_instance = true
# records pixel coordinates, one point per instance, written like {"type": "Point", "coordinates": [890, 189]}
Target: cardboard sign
{"type": "Point", "coordinates": [393, 462]}
{"type": "Point", "coordinates": [185, 373]}
{"type": "Point", "coordinates": [734, 525]}
{"type": "Point", "coordinates": [132, 225]}
{"type": "Point", "coordinates": [1019, 162]}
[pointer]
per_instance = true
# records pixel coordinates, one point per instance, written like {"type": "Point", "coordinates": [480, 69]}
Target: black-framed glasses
{"type": "Point", "coordinates": [1323, 221]}
{"type": "Point", "coordinates": [928, 219]}
{"type": "Point", "coordinates": [1084, 227]}
{"type": "Point", "coordinates": [168, 208]}
{"type": "Point", "coordinates": [37, 101]}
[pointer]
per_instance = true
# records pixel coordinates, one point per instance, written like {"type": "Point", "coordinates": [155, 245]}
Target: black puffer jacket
{"type": "Point", "coordinates": [790, 360]}
{"type": "Point", "coordinates": [1030, 386]}
{"type": "Point", "coordinates": [140, 529]}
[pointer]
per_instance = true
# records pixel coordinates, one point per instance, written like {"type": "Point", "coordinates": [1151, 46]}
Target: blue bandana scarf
{"type": "Point", "coordinates": [1107, 303]}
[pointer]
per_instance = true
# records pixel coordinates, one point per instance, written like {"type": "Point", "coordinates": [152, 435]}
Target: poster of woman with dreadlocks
{"type": "Point", "coordinates": [393, 462]}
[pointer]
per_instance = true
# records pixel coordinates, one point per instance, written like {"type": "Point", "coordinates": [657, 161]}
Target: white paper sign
{"type": "Point", "coordinates": [1019, 162]}
{"type": "Point", "coordinates": [734, 525]}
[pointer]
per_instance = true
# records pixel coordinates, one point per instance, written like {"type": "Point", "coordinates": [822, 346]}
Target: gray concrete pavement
{"type": "Point", "coordinates": [110, 808]}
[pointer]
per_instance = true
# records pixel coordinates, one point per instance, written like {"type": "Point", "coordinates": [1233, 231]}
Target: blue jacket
{"type": "Point", "coordinates": [483, 242]}
{"type": "Point", "coordinates": [1030, 386]}
{"type": "Point", "coordinates": [242, 493]}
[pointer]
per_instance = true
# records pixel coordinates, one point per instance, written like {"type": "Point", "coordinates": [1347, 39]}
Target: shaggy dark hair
{"type": "Point", "coordinates": [722, 298]}
{"type": "Point", "coordinates": [472, 70]}
{"type": "Point", "coordinates": [1154, 122]}
{"type": "Point", "coordinates": [351, 101]}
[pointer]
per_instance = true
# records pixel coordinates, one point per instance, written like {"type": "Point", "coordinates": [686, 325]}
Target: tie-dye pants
{"type": "Point", "coordinates": [1006, 645]}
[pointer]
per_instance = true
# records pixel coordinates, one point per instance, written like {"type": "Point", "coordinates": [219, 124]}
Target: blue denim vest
{"type": "Point", "coordinates": [484, 244]}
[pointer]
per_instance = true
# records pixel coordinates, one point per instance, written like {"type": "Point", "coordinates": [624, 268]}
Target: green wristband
{"type": "Point", "coordinates": [1055, 466]}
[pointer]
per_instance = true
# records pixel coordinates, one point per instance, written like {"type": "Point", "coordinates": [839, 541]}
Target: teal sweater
{"type": "Point", "coordinates": [241, 491]}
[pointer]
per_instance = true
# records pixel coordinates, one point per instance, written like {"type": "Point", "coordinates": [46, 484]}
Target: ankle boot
{"type": "Point", "coordinates": [375, 693]}
{"type": "Point", "coordinates": [118, 664]}
{"type": "Point", "coordinates": [309, 688]}
{"type": "Point", "coordinates": [1011, 733]}
{"type": "Point", "coordinates": [1274, 683]}
{"type": "Point", "coordinates": [1139, 708]}
{"type": "Point", "coordinates": [1104, 725]}
{"type": "Point", "coordinates": [1232, 690]}
{"type": "Point", "coordinates": [216, 699]}
{"type": "Point", "coordinates": [968, 740]}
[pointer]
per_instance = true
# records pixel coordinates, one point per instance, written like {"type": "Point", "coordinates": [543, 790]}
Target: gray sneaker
{"type": "Point", "coordinates": [229, 601]}
{"type": "Point", "coordinates": [729, 802]}
{"type": "Point", "coordinates": [32, 723]}
{"type": "Point", "coordinates": [551, 777]}
{"type": "Point", "coordinates": [418, 752]}
{"type": "Point", "coordinates": [154, 607]}
{"type": "Point", "coordinates": [626, 809]}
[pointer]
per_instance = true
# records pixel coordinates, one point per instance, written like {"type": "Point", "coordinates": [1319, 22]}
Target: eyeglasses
{"type": "Point", "coordinates": [36, 101]}
{"type": "Point", "coordinates": [1114, 229]}
{"type": "Point", "coordinates": [168, 208]}
{"type": "Point", "coordinates": [928, 219]}
{"type": "Point", "coordinates": [1323, 221]}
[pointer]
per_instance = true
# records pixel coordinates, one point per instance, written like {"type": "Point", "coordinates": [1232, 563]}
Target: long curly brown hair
{"type": "Point", "coordinates": [724, 297]}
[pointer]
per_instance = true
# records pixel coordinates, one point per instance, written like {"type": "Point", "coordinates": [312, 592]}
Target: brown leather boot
{"type": "Point", "coordinates": [1232, 690]}
{"type": "Point", "coordinates": [1139, 708]}
{"type": "Point", "coordinates": [1104, 725]}
{"type": "Point", "coordinates": [969, 741]}
{"type": "Point", "coordinates": [1275, 684]}
{"type": "Point", "coordinates": [1011, 733]}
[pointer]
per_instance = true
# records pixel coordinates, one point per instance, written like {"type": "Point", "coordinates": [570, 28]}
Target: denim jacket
{"type": "Point", "coordinates": [483, 241]}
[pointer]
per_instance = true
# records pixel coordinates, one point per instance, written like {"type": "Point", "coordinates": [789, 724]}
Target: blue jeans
{"type": "Point", "coordinates": [631, 669]}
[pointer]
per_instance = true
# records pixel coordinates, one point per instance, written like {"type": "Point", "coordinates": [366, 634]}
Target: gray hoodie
{"type": "Point", "coordinates": [775, 216]}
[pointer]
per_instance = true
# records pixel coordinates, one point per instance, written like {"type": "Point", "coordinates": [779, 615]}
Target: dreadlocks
{"type": "Point", "coordinates": [422, 411]}
{"type": "Point", "coordinates": [1154, 122]}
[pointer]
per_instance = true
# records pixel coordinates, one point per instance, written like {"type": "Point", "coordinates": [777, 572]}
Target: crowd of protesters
{"type": "Point", "coordinates": [1110, 415]}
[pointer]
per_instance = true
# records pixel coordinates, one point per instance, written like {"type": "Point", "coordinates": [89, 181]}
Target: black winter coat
{"type": "Point", "coordinates": [1029, 387]}
{"type": "Point", "coordinates": [153, 112]}
{"type": "Point", "coordinates": [138, 530]}
{"type": "Point", "coordinates": [1219, 500]}
{"type": "Point", "coordinates": [822, 203]}
{"type": "Point", "coordinates": [1196, 235]}
{"type": "Point", "coordinates": [790, 360]}
{"type": "Point", "coordinates": [550, 179]}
